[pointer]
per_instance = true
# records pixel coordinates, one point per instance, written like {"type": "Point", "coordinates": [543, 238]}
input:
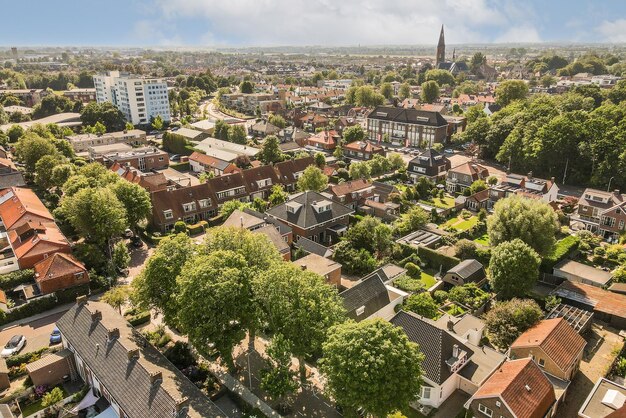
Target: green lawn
{"type": "Point", "coordinates": [454, 310]}
{"type": "Point", "coordinates": [461, 224]}
{"type": "Point", "coordinates": [428, 279]}
{"type": "Point", "coordinates": [445, 203]}
{"type": "Point", "coordinates": [483, 240]}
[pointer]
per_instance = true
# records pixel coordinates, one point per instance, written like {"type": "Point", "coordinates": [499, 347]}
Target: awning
{"type": "Point", "coordinates": [107, 413]}
{"type": "Point", "coordinates": [86, 402]}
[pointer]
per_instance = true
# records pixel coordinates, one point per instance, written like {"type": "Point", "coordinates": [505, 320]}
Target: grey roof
{"type": "Point", "coordinates": [416, 116]}
{"type": "Point", "coordinates": [430, 160]}
{"type": "Point", "coordinates": [434, 342]}
{"type": "Point", "coordinates": [312, 247]}
{"type": "Point", "coordinates": [12, 179]}
{"type": "Point", "coordinates": [470, 270]}
{"type": "Point", "coordinates": [387, 273]}
{"type": "Point", "coordinates": [307, 216]}
{"type": "Point", "coordinates": [5, 411]}
{"type": "Point", "coordinates": [129, 382]}
{"type": "Point", "coordinates": [282, 227]}
{"type": "Point", "coordinates": [370, 293]}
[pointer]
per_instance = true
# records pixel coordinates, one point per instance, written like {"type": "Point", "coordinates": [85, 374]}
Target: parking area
{"type": "Point", "coordinates": [37, 332]}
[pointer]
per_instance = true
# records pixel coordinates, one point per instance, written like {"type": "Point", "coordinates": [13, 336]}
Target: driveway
{"type": "Point", "coordinates": [37, 332]}
{"type": "Point", "coordinates": [598, 357]}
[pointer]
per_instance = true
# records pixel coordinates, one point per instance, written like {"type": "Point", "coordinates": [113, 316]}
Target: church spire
{"type": "Point", "coordinates": [441, 48]}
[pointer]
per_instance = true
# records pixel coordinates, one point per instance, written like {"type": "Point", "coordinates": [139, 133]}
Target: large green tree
{"type": "Point", "coordinates": [136, 201]}
{"type": "Point", "coordinates": [530, 220]}
{"type": "Point", "coordinates": [371, 365]}
{"type": "Point", "coordinates": [353, 133]}
{"type": "Point", "coordinates": [105, 113]}
{"type": "Point", "coordinates": [31, 147]}
{"type": "Point", "coordinates": [300, 305]}
{"type": "Point", "coordinates": [430, 91]}
{"type": "Point", "coordinates": [508, 320]}
{"type": "Point", "coordinates": [313, 179]}
{"type": "Point", "coordinates": [513, 269]}
{"type": "Point", "coordinates": [372, 235]}
{"type": "Point", "coordinates": [510, 90]}
{"type": "Point", "coordinates": [270, 153]}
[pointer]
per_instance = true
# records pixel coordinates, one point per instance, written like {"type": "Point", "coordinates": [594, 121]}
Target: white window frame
{"type": "Point", "coordinates": [168, 214]}
{"type": "Point", "coordinates": [483, 409]}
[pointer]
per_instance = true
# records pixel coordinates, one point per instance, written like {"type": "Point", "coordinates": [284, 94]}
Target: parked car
{"type": "Point", "coordinates": [55, 337]}
{"type": "Point", "coordinates": [448, 151]}
{"type": "Point", "coordinates": [175, 157]}
{"type": "Point", "coordinates": [15, 344]}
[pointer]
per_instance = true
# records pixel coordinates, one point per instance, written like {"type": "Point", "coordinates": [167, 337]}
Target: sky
{"type": "Point", "coordinates": [221, 23]}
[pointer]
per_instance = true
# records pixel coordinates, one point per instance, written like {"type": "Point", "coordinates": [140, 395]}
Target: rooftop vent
{"type": "Point", "coordinates": [614, 399]}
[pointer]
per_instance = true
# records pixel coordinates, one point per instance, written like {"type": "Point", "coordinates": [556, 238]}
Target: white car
{"type": "Point", "coordinates": [15, 344]}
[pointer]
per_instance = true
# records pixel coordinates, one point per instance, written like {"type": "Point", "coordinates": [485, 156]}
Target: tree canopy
{"type": "Point", "coordinates": [313, 179]}
{"type": "Point", "coordinates": [508, 320]}
{"type": "Point", "coordinates": [513, 269]}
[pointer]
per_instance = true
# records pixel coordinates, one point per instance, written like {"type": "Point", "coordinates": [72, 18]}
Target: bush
{"type": "Point", "coordinates": [408, 284]}
{"type": "Point", "coordinates": [69, 295]}
{"type": "Point", "coordinates": [16, 278]}
{"type": "Point", "coordinates": [180, 355]}
{"type": "Point", "coordinates": [440, 296]}
{"type": "Point", "coordinates": [413, 270]}
{"type": "Point", "coordinates": [560, 251]}
{"type": "Point", "coordinates": [33, 307]}
{"type": "Point", "coordinates": [198, 228]}
{"type": "Point", "coordinates": [25, 358]}
{"type": "Point", "coordinates": [139, 319]}
{"type": "Point", "coordinates": [422, 304]}
{"type": "Point", "coordinates": [179, 227]}
{"type": "Point", "coordinates": [182, 167]}
{"type": "Point", "coordinates": [158, 338]}
{"type": "Point", "coordinates": [435, 260]}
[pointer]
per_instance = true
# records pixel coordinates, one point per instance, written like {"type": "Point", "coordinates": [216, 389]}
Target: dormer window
{"type": "Point", "coordinates": [168, 214]}
{"type": "Point", "coordinates": [204, 203]}
{"type": "Point", "coordinates": [360, 311]}
{"type": "Point", "coordinates": [189, 207]}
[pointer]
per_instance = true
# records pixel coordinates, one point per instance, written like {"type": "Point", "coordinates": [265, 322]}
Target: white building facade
{"type": "Point", "coordinates": [139, 98]}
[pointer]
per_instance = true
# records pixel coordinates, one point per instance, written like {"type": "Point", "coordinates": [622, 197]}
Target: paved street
{"type": "Point", "coordinates": [37, 332]}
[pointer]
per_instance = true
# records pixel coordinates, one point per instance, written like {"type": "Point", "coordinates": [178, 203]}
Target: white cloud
{"type": "Point", "coordinates": [519, 34]}
{"type": "Point", "coordinates": [346, 22]}
{"type": "Point", "coordinates": [613, 31]}
{"type": "Point", "coordinates": [150, 32]}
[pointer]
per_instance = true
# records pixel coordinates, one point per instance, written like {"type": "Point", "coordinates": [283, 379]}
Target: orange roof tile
{"type": "Point", "coordinates": [42, 241]}
{"type": "Point", "coordinates": [19, 205]}
{"type": "Point", "coordinates": [556, 338]}
{"type": "Point", "coordinates": [59, 264]}
{"type": "Point", "coordinates": [522, 386]}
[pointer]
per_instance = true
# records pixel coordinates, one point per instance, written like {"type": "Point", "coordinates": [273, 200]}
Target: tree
{"type": "Point", "coordinates": [312, 179]}
{"type": "Point", "coordinates": [15, 132]}
{"type": "Point", "coordinates": [430, 91]}
{"type": "Point", "coordinates": [121, 256]}
{"type": "Point", "coordinates": [396, 161]}
{"type": "Point", "coordinates": [116, 297]}
{"type": "Point", "coordinates": [465, 249]}
{"type": "Point", "coordinates": [370, 234]}
{"type": "Point", "coordinates": [510, 90]}
{"type": "Point", "coordinates": [354, 261]}
{"type": "Point", "coordinates": [508, 320]}
{"type": "Point", "coordinates": [270, 153]}
{"type": "Point", "coordinates": [299, 305]}
{"type": "Point", "coordinates": [358, 360]}
{"type": "Point", "coordinates": [105, 113]}
{"type": "Point", "coordinates": [277, 120]}
{"type": "Point", "coordinates": [129, 126]}
{"type": "Point", "coordinates": [31, 147]}
{"type": "Point", "coordinates": [477, 186]}
{"type": "Point", "coordinates": [44, 168]}
{"type": "Point", "coordinates": [95, 214]}
{"type": "Point", "coordinates": [246, 87]}
{"type": "Point", "coordinates": [237, 134]}
{"type": "Point", "coordinates": [478, 59]}
{"type": "Point", "coordinates": [530, 220]}
{"type": "Point", "coordinates": [422, 304]}
{"type": "Point", "coordinates": [320, 159]}
{"type": "Point", "coordinates": [229, 207]}
{"type": "Point", "coordinates": [279, 380]}
{"type": "Point", "coordinates": [136, 201]}
{"type": "Point", "coordinates": [99, 128]}
{"type": "Point", "coordinates": [412, 220]}
{"type": "Point", "coordinates": [221, 130]}
{"type": "Point", "coordinates": [156, 286]}
{"type": "Point", "coordinates": [441, 77]}
{"type": "Point", "coordinates": [53, 104]}
{"type": "Point", "coordinates": [405, 91]}
{"type": "Point", "coordinates": [360, 170]}
{"type": "Point", "coordinates": [513, 268]}
{"type": "Point", "coordinates": [157, 123]}
{"type": "Point", "coordinates": [52, 398]}
{"type": "Point", "coordinates": [353, 133]}
{"type": "Point", "coordinates": [278, 195]}
{"type": "Point", "coordinates": [214, 320]}
{"type": "Point", "coordinates": [61, 173]}
{"type": "Point", "coordinates": [386, 89]}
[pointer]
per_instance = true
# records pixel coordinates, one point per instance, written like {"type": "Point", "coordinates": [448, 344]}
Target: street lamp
{"type": "Point", "coordinates": [608, 188]}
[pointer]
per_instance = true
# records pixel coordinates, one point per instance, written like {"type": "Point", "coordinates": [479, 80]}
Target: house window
{"type": "Point", "coordinates": [541, 362]}
{"type": "Point", "coordinates": [482, 408]}
{"type": "Point", "coordinates": [204, 203]}
{"type": "Point", "coordinates": [425, 392]}
{"type": "Point", "coordinates": [360, 311]}
{"type": "Point", "coordinates": [189, 207]}
{"type": "Point", "coordinates": [168, 214]}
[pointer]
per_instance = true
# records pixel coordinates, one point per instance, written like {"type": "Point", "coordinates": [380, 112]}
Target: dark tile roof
{"type": "Point", "coordinates": [129, 382]}
{"type": "Point", "coordinates": [306, 216]}
{"type": "Point", "coordinates": [287, 169]}
{"type": "Point", "coordinates": [416, 116]}
{"type": "Point", "coordinates": [173, 200]}
{"type": "Point", "coordinates": [282, 227]}
{"type": "Point", "coordinates": [436, 344]}
{"type": "Point", "coordinates": [226, 182]}
{"type": "Point", "coordinates": [430, 160]}
{"type": "Point", "coordinates": [312, 247]}
{"type": "Point", "coordinates": [469, 270]}
{"type": "Point", "coordinates": [252, 175]}
{"type": "Point", "coordinates": [370, 293]}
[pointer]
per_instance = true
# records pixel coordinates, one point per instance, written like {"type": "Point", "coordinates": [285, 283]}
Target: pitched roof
{"type": "Point", "coordinates": [584, 271]}
{"type": "Point", "coordinates": [470, 270]}
{"type": "Point", "coordinates": [129, 381]}
{"type": "Point", "coordinates": [37, 239]}
{"type": "Point", "coordinates": [275, 237]}
{"type": "Point", "coordinates": [226, 182]}
{"type": "Point", "coordinates": [477, 171]}
{"type": "Point", "coordinates": [349, 187]}
{"type": "Point", "coordinates": [209, 161]}
{"type": "Point", "coordinates": [324, 137]}
{"type": "Point", "coordinates": [288, 169]}
{"type": "Point", "coordinates": [317, 264]}
{"type": "Point", "coordinates": [306, 216]}
{"type": "Point", "coordinates": [266, 128]}
{"type": "Point", "coordinates": [522, 386]}
{"type": "Point", "coordinates": [19, 205]}
{"type": "Point", "coordinates": [387, 272]}
{"type": "Point", "coordinates": [598, 299]}
{"type": "Point", "coordinates": [173, 200]}
{"type": "Point", "coordinates": [58, 264]}
{"type": "Point", "coordinates": [436, 344]}
{"type": "Point", "coordinates": [240, 219]}
{"type": "Point", "coordinates": [363, 146]}
{"type": "Point", "coordinates": [557, 339]}
{"type": "Point", "coordinates": [416, 116]}
{"type": "Point", "coordinates": [312, 247]}
{"type": "Point", "coordinates": [370, 293]}
{"type": "Point", "coordinates": [252, 175]}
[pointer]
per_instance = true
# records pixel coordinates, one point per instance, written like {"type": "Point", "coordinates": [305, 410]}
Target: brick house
{"type": "Point", "coordinates": [144, 159]}
{"type": "Point", "coordinates": [313, 216]}
{"type": "Point", "coordinates": [406, 127]}
{"type": "Point", "coordinates": [289, 171]}
{"type": "Point", "coordinates": [352, 193]}
{"type": "Point", "coordinates": [462, 176]}
{"type": "Point", "coordinates": [430, 164]}
{"type": "Point", "coordinates": [330, 270]}
{"type": "Point", "coordinates": [603, 212]}
{"type": "Point", "coordinates": [554, 345]}
{"type": "Point", "coordinates": [189, 204]}
{"type": "Point", "coordinates": [152, 182]}
{"type": "Point", "coordinates": [527, 186]}
{"type": "Point", "coordinates": [229, 187]}
{"type": "Point", "coordinates": [33, 243]}
{"type": "Point", "coordinates": [362, 150]}
{"type": "Point", "coordinates": [517, 389]}
{"type": "Point", "coordinates": [259, 181]}
{"type": "Point", "coordinates": [323, 141]}
{"type": "Point", "coordinates": [202, 163]}
{"type": "Point", "coordinates": [59, 271]}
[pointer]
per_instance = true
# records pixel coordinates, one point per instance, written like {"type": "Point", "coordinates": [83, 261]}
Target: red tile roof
{"type": "Point", "coordinates": [324, 137]}
{"type": "Point", "coordinates": [556, 338]}
{"type": "Point", "coordinates": [20, 205]}
{"type": "Point", "coordinates": [57, 265]}
{"type": "Point", "coordinates": [363, 146]}
{"type": "Point", "coordinates": [44, 240]}
{"type": "Point", "coordinates": [349, 187]}
{"type": "Point", "coordinates": [522, 386]}
{"type": "Point", "coordinates": [471, 169]}
{"type": "Point", "coordinates": [204, 159]}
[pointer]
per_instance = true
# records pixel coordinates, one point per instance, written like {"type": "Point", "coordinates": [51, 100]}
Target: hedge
{"type": "Point", "coordinates": [149, 238]}
{"type": "Point", "coordinates": [180, 166]}
{"type": "Point", "coordinates": [17, 359]}
{"type": "Point", "coordinates": [70, 295]}
{"type": "Point", "coordinates": [139, 319]}
{"type": "Point", "coordinates": [198, 228]}
{"type": "Point", "coordinates": [561, 250]}
{"type": "Point", "coordinates": [16, 278]}
{"type": "Point", "coordinates": [33, 307]}
{"type": "Point", "coordinates": [435, 260]}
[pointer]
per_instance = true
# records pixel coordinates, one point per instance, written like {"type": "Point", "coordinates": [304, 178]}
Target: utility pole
{"type": "Point", "coordinates": [565, 172]}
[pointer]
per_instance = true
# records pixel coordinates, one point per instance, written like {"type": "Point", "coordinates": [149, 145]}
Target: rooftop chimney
{"type": "Point", "coordinates": [530, 175]}
{"type": "Point", "coordinates": [81, 300]}
{"type": "Point", "coordinates": [616, 192]}
{"type": "Point", "coordinates": [156, 377]}
{"type": "Point", "coordinates": [450, 325]}
{"type": "Point", "coordinates": [182, 403]}
{"type": "Point", "coordinates": [113, 334]}
{"type": "Point", "coordinates": [527, 388]}
{"type": "Point", "coordinates": [96, 316]}
{"type": "Point", "coordinates": [133, 354]}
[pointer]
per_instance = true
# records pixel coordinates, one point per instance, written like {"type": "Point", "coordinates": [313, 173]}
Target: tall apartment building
{"type": "Point", "coordinates": [138, 98]}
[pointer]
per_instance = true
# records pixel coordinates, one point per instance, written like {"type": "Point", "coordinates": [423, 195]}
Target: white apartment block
{"type": "Point", "coordinates": [138, 98]}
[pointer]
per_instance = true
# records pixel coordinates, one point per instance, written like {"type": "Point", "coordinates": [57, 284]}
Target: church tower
{"type": "Point", "coordinates": [441, 49]}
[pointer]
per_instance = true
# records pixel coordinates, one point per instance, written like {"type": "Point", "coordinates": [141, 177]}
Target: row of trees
{"type": "Point", "coordinates": [235, 283]}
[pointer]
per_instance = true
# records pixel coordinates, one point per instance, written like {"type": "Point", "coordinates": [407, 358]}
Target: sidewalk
{"type": "Point", "coordinates": [24, 321]}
